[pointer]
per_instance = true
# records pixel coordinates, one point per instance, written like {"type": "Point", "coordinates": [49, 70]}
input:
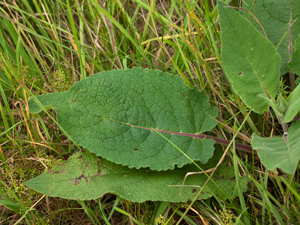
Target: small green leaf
{"type": "Point", "coordinates": [295, 63]}
{"type": "Point", "coordinates": [85, 176]}
{"type": "Point", "coordinates": [293, 105]}
{"type": "Point", "coordinates": [274, 152]}
{"type": "Point", "coordinates": [282, 104]}
{"type": "Point", "coordinates": [113, 115]}
{"type": "Point", "coordinates": [251, 62]}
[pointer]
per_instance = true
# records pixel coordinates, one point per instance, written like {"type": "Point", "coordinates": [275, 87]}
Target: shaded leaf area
{"type": "Point", "coordinates": [113, 114]}
{"type": "Point", "coordinates": [274, 17]}
{"type": "Point", "coordinates": [274, 152]}
{"type": "Point", "coordinates": [295, 63]}
{"type": "Point", "coordinates": [85, 176]}
{"type": "Point", "coordinates": [251, 62]}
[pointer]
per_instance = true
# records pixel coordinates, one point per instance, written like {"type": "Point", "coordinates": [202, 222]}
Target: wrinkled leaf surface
{"type": "Point", "coordinates": [112, 114]}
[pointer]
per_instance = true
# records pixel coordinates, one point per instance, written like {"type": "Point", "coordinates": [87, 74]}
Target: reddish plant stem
{"type": "Point", "coordinates": [245, 148]}
{"type": "Point", "coordinates": [242, 147]}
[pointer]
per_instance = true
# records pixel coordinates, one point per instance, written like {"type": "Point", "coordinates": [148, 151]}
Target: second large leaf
{"type": "Point", "coordinates": [85, 176]}
{"type": "Point", "coordinates": [278, 19]}
{"type": "Point", "coordinates": [117, 115]}
{"type": "Point", "coordinates": [251, 62]}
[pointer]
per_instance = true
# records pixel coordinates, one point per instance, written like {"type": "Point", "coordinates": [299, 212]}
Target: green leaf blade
{"type": "Point", "coordinates": [293, 105]}
{"type": "Point", "coordinates": [295, 62]}
{"type": "Point", "coordinates": [85, 176]}
{"type": "Point", "coordinates": [274, 16]}
{"type": "Point", "coordinates": [113, 114]}
{"type": "Point", "coordinates": [251, 62]}
{"type": "Point", "coordinates": [274, 152]}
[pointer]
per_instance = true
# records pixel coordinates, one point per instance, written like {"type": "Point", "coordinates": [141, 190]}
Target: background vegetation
{"type": "Point", "coordinates": [47, 46]}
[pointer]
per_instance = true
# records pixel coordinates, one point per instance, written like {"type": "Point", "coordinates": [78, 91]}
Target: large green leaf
{"type": "Point", "coordinates": [251, 62]}
{"type": "Point", "coordinates": [274, 16]}
{"type": "Point", "coordinates": [275, 152]}
{"type": "Point", "coordinates": [85, 176]}
{"type": "Point", "coordinates": [113, 113]}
